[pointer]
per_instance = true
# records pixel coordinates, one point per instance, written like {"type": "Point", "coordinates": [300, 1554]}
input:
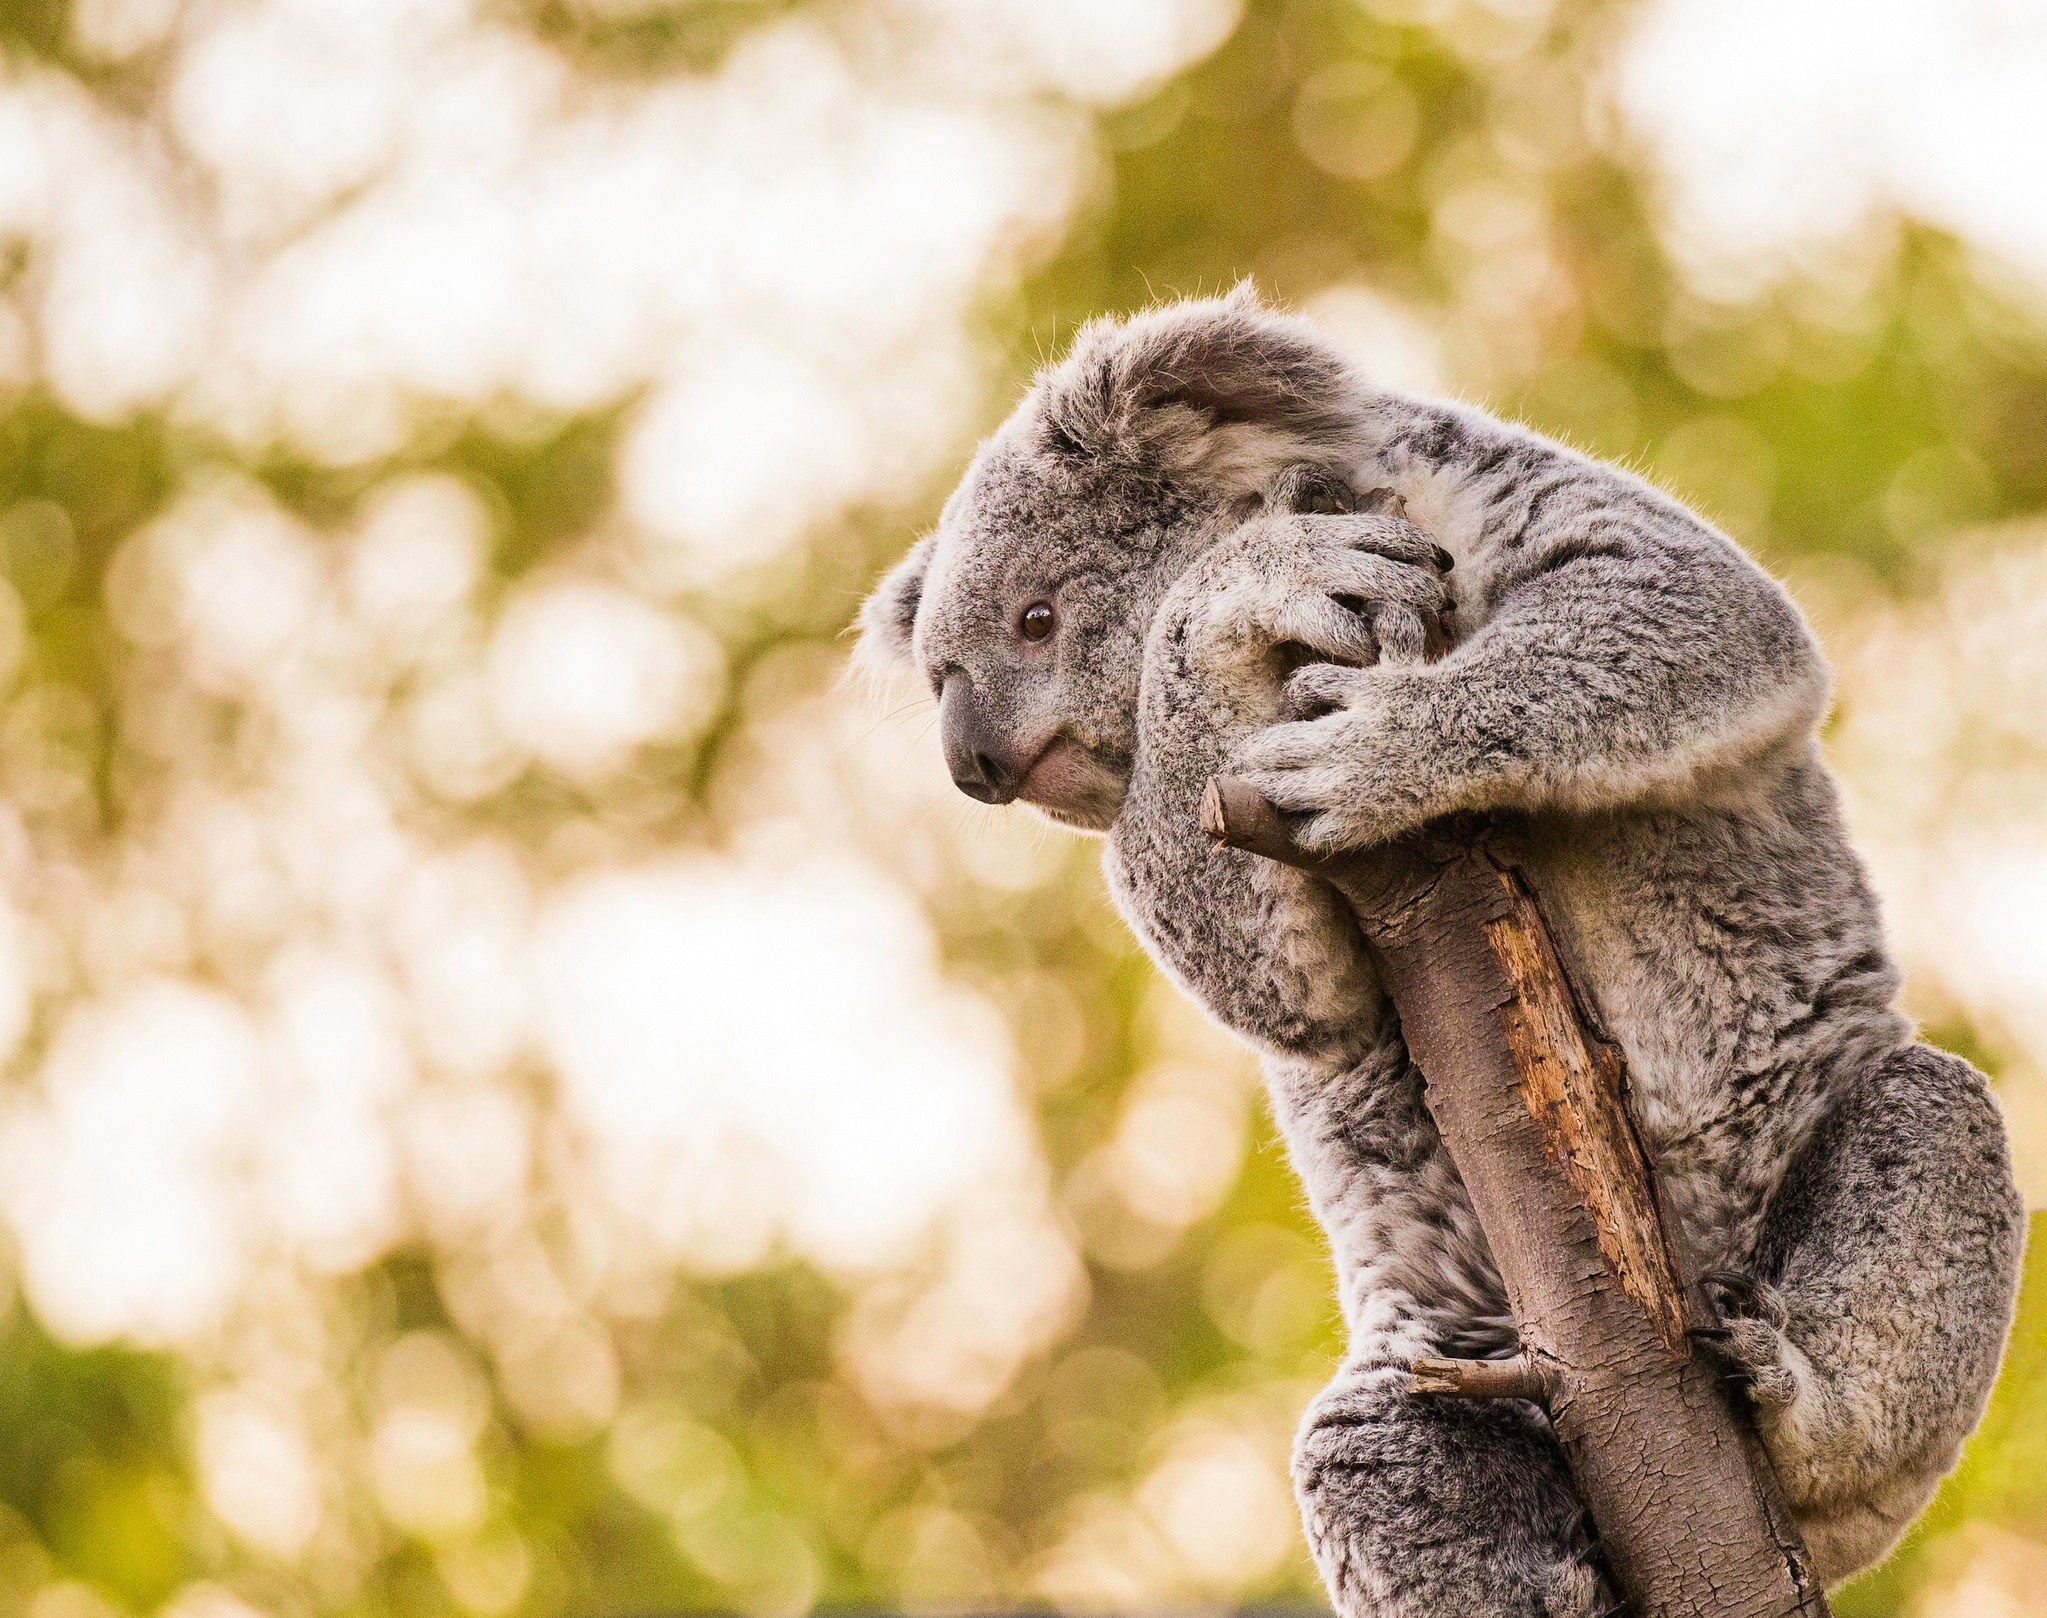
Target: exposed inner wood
{"type": "Point", "coordinates": [1236, 814]}
{"type": "Point", "coordinates": [1572, 1084]}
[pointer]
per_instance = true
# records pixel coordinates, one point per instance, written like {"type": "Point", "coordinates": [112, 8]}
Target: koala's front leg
{"type": "Point", "coordinates": [1273, 953]}
{"type": "Point", "coordinates": [1301, 617]}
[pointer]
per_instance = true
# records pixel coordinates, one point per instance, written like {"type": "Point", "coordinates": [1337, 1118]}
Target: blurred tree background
{"type": "Point", "coordinates": [524, 1095]}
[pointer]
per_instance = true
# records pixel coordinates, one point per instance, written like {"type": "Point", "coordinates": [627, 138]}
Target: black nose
{"type": "Point", "coordinates": [980, 765]}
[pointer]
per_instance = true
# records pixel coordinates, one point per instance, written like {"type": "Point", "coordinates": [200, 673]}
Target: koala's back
{"type": "Point", "coordinates": [1733, 947]}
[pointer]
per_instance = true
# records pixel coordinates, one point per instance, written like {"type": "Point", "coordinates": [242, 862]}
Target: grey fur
{"type": "Point", "coordinates": [1623, 676]}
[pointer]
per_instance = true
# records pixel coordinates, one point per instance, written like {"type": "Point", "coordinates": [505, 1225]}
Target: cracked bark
{"type": "Point", "coordinates": [1530, 1101]}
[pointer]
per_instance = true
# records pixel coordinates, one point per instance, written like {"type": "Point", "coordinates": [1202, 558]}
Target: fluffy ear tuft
{"type": "Point", "coordinates": [1221, 390]}
{"type": "Point", "coordinates": [888, 618]}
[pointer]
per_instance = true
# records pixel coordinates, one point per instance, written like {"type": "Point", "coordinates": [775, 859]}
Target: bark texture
{"type": "Point", "coordinates": [1531, 1104]}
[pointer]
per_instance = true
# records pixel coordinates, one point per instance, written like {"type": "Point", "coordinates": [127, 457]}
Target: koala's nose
{"type": "Point", "coordinates": [980, 765]}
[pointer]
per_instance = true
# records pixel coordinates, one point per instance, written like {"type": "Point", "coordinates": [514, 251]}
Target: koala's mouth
{"type": "Point", "coordinates": [1068, 784]}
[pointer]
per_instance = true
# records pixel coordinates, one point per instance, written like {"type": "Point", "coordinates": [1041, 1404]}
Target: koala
{"type": "Point", "coordinates": [1203, 543]}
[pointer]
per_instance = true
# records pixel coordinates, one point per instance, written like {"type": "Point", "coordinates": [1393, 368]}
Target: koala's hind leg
{"type": "Point", "coordinates": [1869, 1326]}
{"type": "Point", "coordinates": [1420, 1507]}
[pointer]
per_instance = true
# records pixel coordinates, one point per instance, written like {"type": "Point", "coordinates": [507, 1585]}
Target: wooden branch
{"type": "Point", "coordinates": [1522, 1377]}
{"type": "Point", "coordinates": [1530, 1101]}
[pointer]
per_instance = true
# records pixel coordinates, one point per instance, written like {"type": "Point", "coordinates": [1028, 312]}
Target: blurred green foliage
{"type": "Point", "coordinates": [1844, 419]}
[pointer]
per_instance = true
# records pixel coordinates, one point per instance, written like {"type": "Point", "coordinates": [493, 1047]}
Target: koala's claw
{"type": "Point", "coordinates": [1582, 1524]}
{"type": "Point", "coordinates": [1738, 1293]}
{"type": "Point", "coordinates": [1748, 1340]}
{"type": "Point", "coordinates": [1573, 1587]}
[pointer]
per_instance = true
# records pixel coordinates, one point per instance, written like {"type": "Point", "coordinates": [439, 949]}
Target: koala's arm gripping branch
{"type": "Point", "coordinates": [1529, 1101]}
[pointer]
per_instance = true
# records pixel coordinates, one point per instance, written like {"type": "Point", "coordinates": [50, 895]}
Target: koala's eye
{"type": "Point", "coordinates": [1037, 621]}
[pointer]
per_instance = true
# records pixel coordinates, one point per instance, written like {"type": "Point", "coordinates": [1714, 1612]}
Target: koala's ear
{"type": "Point", "coordinates": [888, 618]}
{"type": "Point", "coordinates": [1222, 389]}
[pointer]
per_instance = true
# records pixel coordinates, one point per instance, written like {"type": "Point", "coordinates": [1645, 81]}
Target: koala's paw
{"type": "Point", "coordinates": [1331, 772]}
{"type": "Point", "coordinates": [1360, 590]}
{"type": "Point", "coordinates": [1747, 1336]}
{"type": "Point", "coordinates": [1339, 763]}
{"type": "Point", "coordinates": [1570, 1590]}
{"type": "Point", "coordinates": [1576, 1585]}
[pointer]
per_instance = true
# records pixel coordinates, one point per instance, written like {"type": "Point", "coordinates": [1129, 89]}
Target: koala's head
{"type": "Point", "coordinates": [1026, 610]}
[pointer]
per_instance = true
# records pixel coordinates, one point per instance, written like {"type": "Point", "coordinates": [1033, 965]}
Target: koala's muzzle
{"type": "Point", "coordinates": [981, 764]}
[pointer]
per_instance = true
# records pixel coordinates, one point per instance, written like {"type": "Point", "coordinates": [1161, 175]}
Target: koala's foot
{"type": "Point", "coordinates": [1894, 1244]}
{"type": "Point", "coordinates": [1747, 1337]}
{"type": "Point", "coordinates": [1421, 1508]}
{"type": "Point", "coordinates": [1576, 1587]}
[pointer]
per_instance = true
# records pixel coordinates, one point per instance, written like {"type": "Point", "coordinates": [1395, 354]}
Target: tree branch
{"type": "Point", "coordinates": [1530, 1102]}
{"type": "Point", "coordinates": [1522, 1377]}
